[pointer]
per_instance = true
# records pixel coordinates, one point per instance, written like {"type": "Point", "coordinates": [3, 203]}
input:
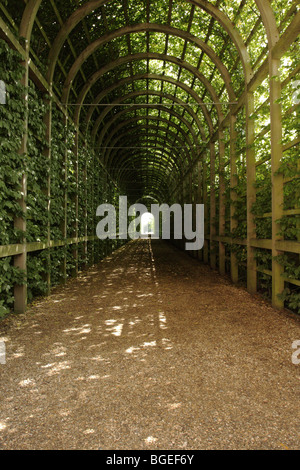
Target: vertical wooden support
{"type": "Point", "coordinates": [105, 242]}
{"type": "Point", "coordinates": [47, 156]}
{"type": "Point", "coordinates": [93, 208]}
{"type": "Point", "coordinates": [234, 269]}
{"type": "Point", "coordinates": [204, 200]}
{"type": "Point", "coordinates": [190, 182]}
{"type": "Point", "coordinates": [85, 178]}
{"type": "Point", "coordinates": [182, 195]}
{"type": "Point", "coordinates": [20, 260]}
{"type": "Point", "coordinates": [277, 179]}
{"type": "Point", "coordinates": [191, 199]}
{"type": "Point", "coordinates": [251, 194]}
{"type": "Point", "coordinates": [222, 209]}
{"type": "Point", "coordinates": [199, 195]}
{"type": "Point", "coordinates": [64, 228]}
{"type": "Point", "coordinates": [76, 202]}
{"type": "Point", "coordinates": [212, 205]}
{"type": "Point", "coordinates": [297, 206]}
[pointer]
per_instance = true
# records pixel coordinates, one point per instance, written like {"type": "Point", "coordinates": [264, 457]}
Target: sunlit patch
{"type": "Point", "coordinates": [26, 382]}
{"type": "Point", "coordinates": [167, 343]}
{"type": "Point", "coordinates": [47, 366]}
{"type": "Point", "coordinates": [151, 440]}
{"type": "Point", "coordinates": [80, 379]}
{"type": "Point", "coordinates": [162, 320]}
{"type": "Point", "coordinates": [81, 330]}
{"type": "Point", "coordinates": [116, 330]}
{"type": "Point", "coordinates": [89, 431]}
{"type": "Point", "coordinates": [59, 367]}
{"type": "Point", "coordinates": [174, 406]}
{"type": "Point", "coordinates": [2, 426]}
{"type": "Point", "coordinates": [131, 349]}
{"type": "Point", "coordinates": [150, 344]}
{"type": "Point", "coordinates": [135, 321]}
{"type": "Point", "coordinates": [98, 359]}
{"type": "Point", "coordinates": [19, 353]}
{"type": "Point", "coordinates": [86, 330]}
{"type": "Point", "coordinates": [60, 354]}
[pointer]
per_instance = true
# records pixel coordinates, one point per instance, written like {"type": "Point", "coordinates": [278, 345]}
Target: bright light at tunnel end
{"type": "Point", "coordinates": [165, 222]}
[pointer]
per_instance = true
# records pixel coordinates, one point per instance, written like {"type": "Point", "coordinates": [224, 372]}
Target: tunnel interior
{"type": "Point", "coordinates": [168, 102]}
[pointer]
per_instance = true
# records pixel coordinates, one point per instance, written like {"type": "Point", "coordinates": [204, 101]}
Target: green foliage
{"type": "Point", "coordinates": [265, 285]}
{"type": "Point", "coordinates": [37, 268]}
{"type": "Point", "coordinates": [263, 258]}
{"type": "Point", "coordinates": [37, 170]}
{"type": "Point", "coordinates": [9, 276]}
{"type": "Point", "coordinates": [12, 164]}
{"type": "Point", "coordinates": [291, 265]}
{"type": "Point", "coordinates": [289, 227]}
{"type": "Point", "coordinates": [291, 297]}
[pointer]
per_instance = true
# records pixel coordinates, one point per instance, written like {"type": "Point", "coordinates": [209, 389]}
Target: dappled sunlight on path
{"type": "Point", "coordinates": [150, 350]}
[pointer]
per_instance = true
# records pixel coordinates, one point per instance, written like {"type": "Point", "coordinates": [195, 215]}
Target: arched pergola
{"type": "Point", "coordinates": [164, 104]}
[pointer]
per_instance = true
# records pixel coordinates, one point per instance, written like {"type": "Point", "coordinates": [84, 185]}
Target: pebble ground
{"type": "Point", "coordinates": [150, 350]}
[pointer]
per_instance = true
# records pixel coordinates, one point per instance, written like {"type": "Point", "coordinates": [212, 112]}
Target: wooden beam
{"type": "Point", "coordinates": [251, 194]}
{"type": "Point", "coordinates": [213, 260]}
{"type": "Point", "coordinates": [277, 178]}
{"type": "Point", "coordinates": [20, 260]}
{"type": "Point", "coordinates": [222, 201]}
{"type": "Point", "coordinates": [234, 269]}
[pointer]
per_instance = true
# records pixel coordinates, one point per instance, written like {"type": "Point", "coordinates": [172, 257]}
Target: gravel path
{"type": "Point", "coordinates": [150, 350]}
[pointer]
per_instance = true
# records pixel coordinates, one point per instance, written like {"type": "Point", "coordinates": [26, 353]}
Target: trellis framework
{"type": "Point", "coordinates": [173, 98]}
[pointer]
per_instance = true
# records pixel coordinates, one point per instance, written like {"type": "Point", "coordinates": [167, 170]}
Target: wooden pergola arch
{"type": "Point", "coordinates": [185, 164]}
{"type": "Point", "coordinates": [89, 7]}
{"type": "Point", "coordinates": [146, 27]}
{"type": "Point", "coordinates": [158, 175]}
{"type": "Point", "coordinates": [149, 76]}
{"type": "Point", "coordinates": [181, 148]}
{"type": "Point", "coordinates": [142, 56]}
{"type": "Point", "coordinates": [105, 143]}
{"type": "Point", "coordinates": [156, 142]}
{"type": "Point", "coordinates": [140, 157]}
{"type": "Point", "coordinates": [148, 93]}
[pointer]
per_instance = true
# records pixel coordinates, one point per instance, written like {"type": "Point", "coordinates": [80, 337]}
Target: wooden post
{"type": "Point", "coordinates": [93, 208]}
{"type": "Point", "coordinates": [221, 202]}
{"type": "Point", "coordinates": [47, 156]}
{"type": "Point", "coordinates": [64, 227]}
{"type": "Point", "coordinates": [251, 194]}
{"type": "Point", "coordinates": [199, 196]}
{"type": "Point", "coordinates": [20, 260]}
{"type": "Point", "coordinates": [85, 178]}
{"type": "Point", "coordinates": [234, 269]}
{"type": "Point", "coordinates": [277, 179]}
{"type": "Point", "coordinates": [76, 202]}
{"type": "Point", "coordinates": [204, 199]}
{"type": "Point", "coordinates": [212, 205]}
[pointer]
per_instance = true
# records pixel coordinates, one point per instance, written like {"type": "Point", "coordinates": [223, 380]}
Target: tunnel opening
{"type": "Point", "coordinates": [148, 224]}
